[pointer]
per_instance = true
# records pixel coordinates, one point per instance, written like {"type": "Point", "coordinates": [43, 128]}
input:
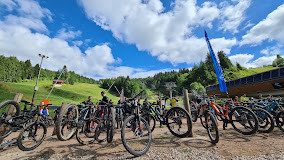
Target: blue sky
{"type": "Point", "coordinates": [110, 38]}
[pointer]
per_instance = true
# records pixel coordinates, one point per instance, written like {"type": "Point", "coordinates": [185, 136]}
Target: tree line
{"type": "Point", "coordinates": [199, 77]}
{"type": "Point", "coordinates": [13, 70]}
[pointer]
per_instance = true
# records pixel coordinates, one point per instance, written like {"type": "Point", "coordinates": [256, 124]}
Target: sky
{"type": "Point", "coordinates": [139, 38]}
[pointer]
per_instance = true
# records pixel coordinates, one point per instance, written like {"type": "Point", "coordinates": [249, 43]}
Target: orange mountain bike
{"type": "Point", "coordinates": [242, 119]}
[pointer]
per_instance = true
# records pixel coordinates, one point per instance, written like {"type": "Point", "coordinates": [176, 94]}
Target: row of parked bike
{"type": "Point", "coordinates": [90, 123]}
{"type": "Point", "coordinates": [248, 117]}
{"type": "Point", "coordinates": [137, 120]}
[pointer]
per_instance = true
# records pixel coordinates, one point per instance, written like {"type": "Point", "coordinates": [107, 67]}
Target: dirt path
{"type": "Point", "coordinates": [232, 145]}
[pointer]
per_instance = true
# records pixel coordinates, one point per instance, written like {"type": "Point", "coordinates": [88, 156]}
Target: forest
{"type": "Point", "coordinates": [13, 70]}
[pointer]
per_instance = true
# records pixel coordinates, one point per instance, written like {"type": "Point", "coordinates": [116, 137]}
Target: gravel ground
{"type": "Point", "coordinates": [232, 145]}
{"type": "Point", "coordinates": [173, 154]}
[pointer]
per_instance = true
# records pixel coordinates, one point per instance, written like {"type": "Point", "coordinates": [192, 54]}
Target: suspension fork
{"type": "Point", "coordinates": [139, 120]}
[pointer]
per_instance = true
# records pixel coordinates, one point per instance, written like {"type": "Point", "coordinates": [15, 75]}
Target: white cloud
{"type": "Point", "coordinates": [32, 9]}
{"type": "Point", "coordinates": [96, 61]}
{"type": "Point", "coordinates": [24, 44]}
{"type": "Point", "coordinates": [29, 44]}
{"type": "Point", "coordinates": [166, 35]}
{"type": "Point", "coordinates": [145, 74]}
{"type": "Point", "coordinates": [247, 61]}
{"type": "Point", "coordinates": [242, 59]}
{"type": "Point", "coordinates": [68, 34]}
{"type": "Point", "coordinates": [77, 43]}
{"type": "Point", "coordinates": [233, 15]}
{"type": "Point", "coordinates": [272, 50]}
{"type": "Point", "coordinates": [30, 23]}
{"type": "Point", "coordinates": [31, 14]}
{"type": "Point", "coordinates": [271, 28]}
{"type": "Point", "coordinates": [9, 4]}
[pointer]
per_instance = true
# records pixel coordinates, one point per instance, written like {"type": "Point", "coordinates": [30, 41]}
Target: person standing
{"type": "Point", "coordinates": [105, 100]}
{"type": "Point", "coordinates": [236, 100]}
{"type": "Point", "coordinates": [243, 97]}
{"type": "Point", "coordinates": [89, 101]}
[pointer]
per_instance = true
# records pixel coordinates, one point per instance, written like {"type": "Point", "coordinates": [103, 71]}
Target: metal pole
{"type": "Point", "coordinates": [117, 90]}
{"type": "Point", "coordinates": [54, 84]}
{"type": "Point", "coordinates": [36, 87]}
{"type": "Point", "coordinates": [110, 87]}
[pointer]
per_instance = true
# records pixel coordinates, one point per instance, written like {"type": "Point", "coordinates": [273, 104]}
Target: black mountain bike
{"type": "Point", "coordinates": [105, 115]}
{"type": "Point", "coordinates": [34, 131]}
{"type": "Point", "coordinates": [135, 132]}
{"type": "Point", "coordinates": [176, 119]}
{"type": "Point", "coordinates": [86, 124]}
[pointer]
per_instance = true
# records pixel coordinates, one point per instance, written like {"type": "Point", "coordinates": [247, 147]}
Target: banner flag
{"type": "Point", "coordinates": [218, 70]}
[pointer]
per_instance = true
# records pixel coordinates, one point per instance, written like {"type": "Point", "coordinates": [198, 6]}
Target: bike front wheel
{"type": "Point", "coordinates": [280, 120]}
{"type": "Point", "coordinates": [8, 110]}
{"type": "Point", "coordinates": [31, 137]}
{"type": "Point", "coordinates": [66, 122]}
{"type": "Point", "coordinates": [265, 120]}
{"type": "Point", "coordinates": [244, 120]}
{"type": "Point", "coordinates": [212, 127]}
{"type": "Point", "coordinates": [179, 122]}
{"type": "Point", "coordinates": [136, 136]}
{"type": "Point", "coordinates": [85, 133]}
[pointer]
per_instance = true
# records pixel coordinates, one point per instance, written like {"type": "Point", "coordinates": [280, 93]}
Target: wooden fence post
{"type": "Point", "coordinates": [18, 97]}
{"type": "Point", "coordinates": [187, 107]}
{"type": "Point", "coordinates": [54, 130]}
{"type": "Point", "coordinates": [160, 105]}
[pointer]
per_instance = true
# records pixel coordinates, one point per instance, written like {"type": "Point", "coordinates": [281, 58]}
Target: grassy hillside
{"type": "Point", "coordinates": [252, 71]}
{"type": "Point", "coordinates": [69, 94]}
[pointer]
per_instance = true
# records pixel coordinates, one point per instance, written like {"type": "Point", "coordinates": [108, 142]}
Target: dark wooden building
{"type": "Point", "coordinates": [269, 82]}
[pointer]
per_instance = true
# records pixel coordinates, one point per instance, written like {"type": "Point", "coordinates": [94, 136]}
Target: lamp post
{"type": "Point", "coordinates": [36, 86]}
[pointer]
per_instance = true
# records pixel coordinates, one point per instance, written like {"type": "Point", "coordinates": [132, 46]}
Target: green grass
{"type": "Point", "coordinates": [252, 71]}
{"type": "Point", "coordinates": [76, 93]}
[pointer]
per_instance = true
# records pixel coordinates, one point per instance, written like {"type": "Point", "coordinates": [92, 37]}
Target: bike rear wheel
{"type": "Point", "coordinates": [280, 120]}
{"type": "Point", "coordinates": [244, 120]}
{"type": "Point", "coordinates": [8, 110]}
{"type": "Point", "coordinates": [66, 122]}
{"type": "Point", "coordinates": [31, 137]}
{"type": "Point", "coordinates": [212, 127]}
{"type": "Point", "coordinates": [136, 138]}
{"type": "Point", "coordinates": [265, 120]}
{"type": "Point", "coordinates": [179, 122]}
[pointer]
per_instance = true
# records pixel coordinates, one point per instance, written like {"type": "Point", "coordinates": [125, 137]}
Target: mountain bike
{"type": "Point", "coordinates": [242, 119]}
{"type": "Point", "coordinates": [276, 109]}
{"type": "Point", "coordinates": [176, 119]}
{"type": "Point", "coordinates": [34, 131]}
{"type": "Point", "coordinates": [105, 115]}
{"type": "Point", "coordinates": [265, 119]}
{"type": "Point", "coordinates": [66, 123]}
{"type": "Point", "coordinates": [87, 125]}
{"type": "Point", "coordinates": [135, 132]}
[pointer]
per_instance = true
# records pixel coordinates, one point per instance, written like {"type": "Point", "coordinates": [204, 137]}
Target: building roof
{"type": "Point", "coordinates": [59, 81]}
